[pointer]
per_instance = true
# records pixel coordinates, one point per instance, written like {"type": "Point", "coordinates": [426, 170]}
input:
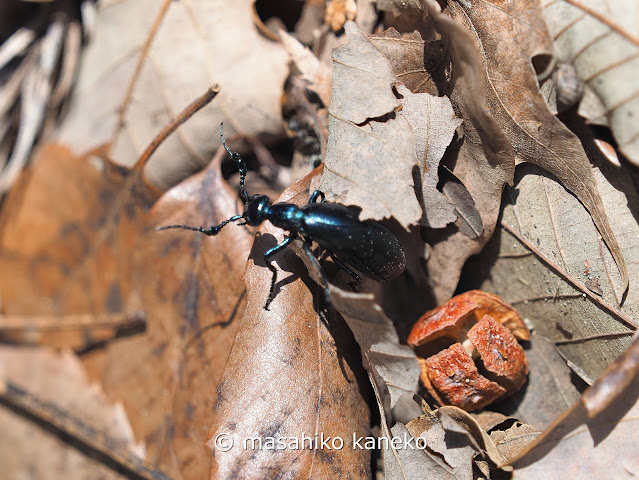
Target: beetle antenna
{"type": "Point", "coordinates": [214, 230]}
{"type": "Point", "coordinates": [241, 165]}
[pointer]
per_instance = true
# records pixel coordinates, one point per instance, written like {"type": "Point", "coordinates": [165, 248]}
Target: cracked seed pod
{"type": "Point", "coordinates": [482, 328]}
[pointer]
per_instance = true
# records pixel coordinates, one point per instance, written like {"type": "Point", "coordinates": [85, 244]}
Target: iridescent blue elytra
{"type": "Point", "coordinates": [368, 246]}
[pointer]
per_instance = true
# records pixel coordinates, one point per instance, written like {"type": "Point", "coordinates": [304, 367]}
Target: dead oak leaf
{"type": "Point", "coordinates": [420, 65]}
{"type": "Point", "coordinates": [596, 437]}
{"type": "Point", "coordinates": [370, 154]}
{"type": "Point", "coordinates": [600, 40]}
{"type": "Point", "coordinates": [514, 100]}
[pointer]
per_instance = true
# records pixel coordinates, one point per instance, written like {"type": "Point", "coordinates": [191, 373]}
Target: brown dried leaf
{"type": "Point", "coordinates": [290, 374]}
{"type": "Point", "coordinates": [600, 40]}
{"type": "Point", "coordinates": [86, 214]}
{"type": "Point", "coordinates": [27, 450]}
{"type": "Point", "coordinates": [548, 217]}
{"type": "Point", "coordinates": [369, 159]}
{"type": "Point", "coordinates": [223, 46]}
{"type": "Point", "coordinates": [408, 463]}
{"type": "Point", "coordinates": [402, 8]}
{"type": "Point", "coordinates": [596, 437]}
{"type": "Point", "coordinates": [537, 136]}
{"type": "Point", "coordinates": [406, 56]}
{"type": "Point", "coordinates": [313, 71]}
{"type": "Point", "coordinates": [511, 442]}
{"type": "Point", "coordinates": [192, 289]}
{"type": "Point", "coordinates": [453, 436]}
{"type": "Point", "coordinates": [433, 121]}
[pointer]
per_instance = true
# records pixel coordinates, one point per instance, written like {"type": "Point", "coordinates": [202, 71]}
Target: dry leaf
{"type": "Point", "coordinates": [369, 161]}
{"type": "Point", "coordinates": [406, 55]}
{"type": "Point", "coordinates": [87, 213]}
{"type": "Point", "coordinates": [198, 44]}
{"type": "Point", "coordinates": [512, 441]}
{"type": "Point", "coordinates": [192, 291]}
{"type": "Point", "coordinates": [536, 135]}
{"type": "Point", "coordinates": [454, 438]}
{"type": "Point", "coordinates": [434, 123]}
{"type": "Point", "coordinates": [290, 374]}
{"type": "Point", "coordinates": [447, 439]}
{"type": "Point", "coordinates": [27, 450]}
{"type": "Point", "coordinates": [600, 40]}
{"type": "Point", "coordinates": [601, 427]}
{"type": "Point", "coordinates": [313, 71]}
{"type": "Point", "coordinates": [395, 364]}
{"type": "Point", "coordinates": [413, 464]}
{"type": "Point", "coordinates": [551, 219]}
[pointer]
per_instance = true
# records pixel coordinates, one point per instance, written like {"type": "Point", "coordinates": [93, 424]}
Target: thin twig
{"type": "Point", "coordinates": [622, 316]}
{"type": "Point", "coordinates": [176, 122]}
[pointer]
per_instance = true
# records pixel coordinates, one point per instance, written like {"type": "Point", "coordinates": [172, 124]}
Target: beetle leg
{"type": "Point", "coordinates": [314, 196]}
{"type": "Point", "coordinates": [315, 262]}
{"type": "Point", "coordinates": [345, 267]}
{"type": "Point", "coordinates": [269, 253]}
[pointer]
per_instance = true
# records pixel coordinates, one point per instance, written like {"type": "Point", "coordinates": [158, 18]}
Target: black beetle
{"type": "Point", "coordinates": [366, 245]}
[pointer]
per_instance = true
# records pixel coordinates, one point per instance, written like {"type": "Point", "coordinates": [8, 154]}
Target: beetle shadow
{"type": "Point", "coordinates": [284, 260]}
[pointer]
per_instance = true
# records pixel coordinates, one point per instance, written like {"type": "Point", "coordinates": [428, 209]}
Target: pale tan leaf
{"type": "Point", "coordinates": [412, 464]}
{"type": "Point", "coordinates": [554, 222]}
{"type": "Point", "coordinates": [600, 39]}
{"type": "Point", "coordinates": [198, 44]}
{"type": "Point", "coordinates": [27, 450]}
{"type": "Point", "coordinates": [434, 122]}
{"type": "Point", "coordinates": [375, 333]}
{"type": "Point", "coordinates": [313, 71]}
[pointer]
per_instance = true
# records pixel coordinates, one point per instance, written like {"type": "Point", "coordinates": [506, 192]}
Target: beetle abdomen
{"type": "Point", "coordinates": [368, 246]}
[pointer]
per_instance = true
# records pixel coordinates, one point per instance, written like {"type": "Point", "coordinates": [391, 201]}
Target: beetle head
{"type": "Point", "coordinates": [256, 210]}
